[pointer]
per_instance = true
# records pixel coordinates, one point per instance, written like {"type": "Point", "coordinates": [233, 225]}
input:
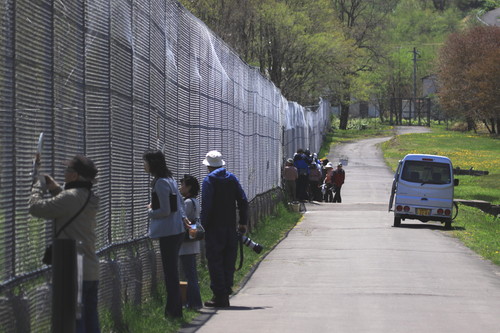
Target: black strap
{"type": "Point", "coordinates": [241, 252]}
{"type": "Point", "coordinates": [74, 217]}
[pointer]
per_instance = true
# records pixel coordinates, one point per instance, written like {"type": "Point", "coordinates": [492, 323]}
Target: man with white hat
{"type": "Point", "coordinates": [328, 196]}
{"type": "Point", "coordinates": [221, 195]}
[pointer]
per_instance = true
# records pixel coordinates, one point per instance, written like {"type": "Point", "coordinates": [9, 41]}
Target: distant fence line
{"type": "Point", "coordinates": [111, 79]}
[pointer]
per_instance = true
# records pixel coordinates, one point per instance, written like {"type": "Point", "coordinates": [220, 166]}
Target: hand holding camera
{"type": "Point", "coordinates": [242, 229]}
{"type": "Point", "coordinates": [50, 183]}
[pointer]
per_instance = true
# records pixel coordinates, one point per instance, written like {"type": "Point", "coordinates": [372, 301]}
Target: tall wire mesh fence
{"type": "Point", "coordinates": [111, 79]}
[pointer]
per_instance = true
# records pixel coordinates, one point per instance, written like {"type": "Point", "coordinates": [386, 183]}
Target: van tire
{"type": "Point", "coordinates": [397, 221]}
{"type": "Point", "coordinates": [447, 224]}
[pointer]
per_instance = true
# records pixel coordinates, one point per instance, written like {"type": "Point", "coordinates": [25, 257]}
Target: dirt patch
{"type": "Point", "coordinates": [411, 129]}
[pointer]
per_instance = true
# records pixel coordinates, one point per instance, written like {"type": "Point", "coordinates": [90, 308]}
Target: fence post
{"type": "Point", "coordinates": [429, 108]}
{"type": "Point", "coordinates": [64, 286]}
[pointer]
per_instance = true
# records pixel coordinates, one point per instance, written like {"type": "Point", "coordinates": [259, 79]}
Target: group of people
{"type": "Point", "coordinates": [307, 178]}
{"type": "Point", "coordinates": [172, 212]}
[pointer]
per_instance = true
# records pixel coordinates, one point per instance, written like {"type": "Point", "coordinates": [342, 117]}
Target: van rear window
{"type": "Point", "coordinates": [426, 172]}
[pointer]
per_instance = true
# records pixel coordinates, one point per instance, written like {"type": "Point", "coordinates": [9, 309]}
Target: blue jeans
{"type": "Point", "coordinates": [89, 322]}
{"type": "Point", "coordinates": [169, 249]}
{"type": "Point", "coordinates": [188, 262]}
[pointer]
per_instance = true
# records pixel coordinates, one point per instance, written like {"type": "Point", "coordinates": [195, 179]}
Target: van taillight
{"type": "Point", "coordinates": [399, 208]}
{"type": "Point", "coordinates": [440, 211]}
{"type": "Point", "coordinates": [427, 159]}
{"type": "Point", "coordinates": [406, 209]}
{"type": "Point", "coordinates": [447, 212]}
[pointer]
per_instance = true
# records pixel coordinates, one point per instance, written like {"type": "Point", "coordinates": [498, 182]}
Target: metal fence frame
{"type": "Point", "coordinates": [410, 109]}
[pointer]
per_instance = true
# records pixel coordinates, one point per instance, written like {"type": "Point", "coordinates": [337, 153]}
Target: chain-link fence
{"type": "Point", "coordinates": [111, 79]}
{"type": "Point", "coordinates": [414, 111]}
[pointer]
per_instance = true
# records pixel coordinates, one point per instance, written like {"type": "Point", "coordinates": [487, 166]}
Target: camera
{"type": "Point", "coordinates": [257, 248]}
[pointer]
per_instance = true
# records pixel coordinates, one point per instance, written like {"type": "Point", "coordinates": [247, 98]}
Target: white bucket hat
{"type": "Point", "coordinates": [214, 159]}
{"type": "Point", "coordinates": [329, 165]}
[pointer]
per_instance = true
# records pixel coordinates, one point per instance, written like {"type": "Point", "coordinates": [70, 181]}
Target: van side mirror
{"type": "Point", "coordinates": [455, 182]}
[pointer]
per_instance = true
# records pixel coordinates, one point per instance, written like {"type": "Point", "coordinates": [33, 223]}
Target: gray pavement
{"type": "Point", "coordinates": [344, 268]}
{"type": "Point", "coordinates": [492, 17]}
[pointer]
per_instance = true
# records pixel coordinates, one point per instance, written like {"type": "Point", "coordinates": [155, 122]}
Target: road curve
{"type": "Point", "coordinates": [344, 268]}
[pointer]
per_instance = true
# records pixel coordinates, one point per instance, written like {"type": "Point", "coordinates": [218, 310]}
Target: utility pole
{"type": "Point", "coordinates": [415, 53]}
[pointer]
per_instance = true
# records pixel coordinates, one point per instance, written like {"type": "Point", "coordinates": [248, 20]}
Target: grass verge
{"type": "Point", "coordinates": [148, 317]}
{"type": "Point", "coordinates": [478, 231]}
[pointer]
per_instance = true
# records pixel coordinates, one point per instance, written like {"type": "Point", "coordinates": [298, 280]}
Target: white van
{"type": "Point", "coordinates": [423, 189]}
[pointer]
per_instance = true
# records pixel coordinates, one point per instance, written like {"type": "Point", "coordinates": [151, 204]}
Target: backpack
{"type": "Point", "coordinates": [302, 172]}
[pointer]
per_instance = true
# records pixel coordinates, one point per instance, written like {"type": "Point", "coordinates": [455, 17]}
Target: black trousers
{"type": "Point", "coordinates": [169, 249]}
{"type": "Point", "coordinates": [336, 197]}
{"type": "Point", "coordinates": [90, 316]}
{"type": "Point", "coordinates": [221, 245]}
{"type": "Point", "coordinates": [302, 186]}
{"type": "Point", "coordinates": [314, 191]}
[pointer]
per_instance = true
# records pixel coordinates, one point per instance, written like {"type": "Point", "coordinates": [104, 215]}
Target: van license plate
{"type": "Point", "coordinates": [423, 211]}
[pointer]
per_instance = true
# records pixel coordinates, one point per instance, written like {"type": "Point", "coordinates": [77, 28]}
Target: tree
{"type": "Point", "coordinates": [412, 23]}
{"type": "Point", "coordinates": [469, 76]}
{"type": "Point", "coordinates": [298, 44]}
{"type": "Point", "coordinates": [301, 48]}
{"type": "Point", "coordinates": [362, 21]}
{"type": "Point", "coordinates": [487, 97]}
{"type": "Point", "coordinates": [232, 20]}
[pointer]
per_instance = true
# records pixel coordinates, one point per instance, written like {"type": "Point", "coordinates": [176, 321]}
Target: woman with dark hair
{"type": "Point", "coordinates": [167, 218]}
{"type": "Point", "coordinates": [190, 187]}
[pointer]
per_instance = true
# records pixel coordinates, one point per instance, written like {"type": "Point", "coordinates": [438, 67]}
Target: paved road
{"type": "Point", "coordinates": [344, 268]}
{"type": "Point", "coordinates": [492, 17]}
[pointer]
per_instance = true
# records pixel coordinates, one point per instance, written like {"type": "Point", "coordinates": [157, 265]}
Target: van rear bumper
{"type": "Point", "coordinates": [423, 218]}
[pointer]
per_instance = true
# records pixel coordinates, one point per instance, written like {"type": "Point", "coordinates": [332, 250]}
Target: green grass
{"type": "Point", "coordinates": [476, 229]}
{"type": "Point", "coordinates": [356, 129]}
{"type": "Point", "coordinates": [148, 317]}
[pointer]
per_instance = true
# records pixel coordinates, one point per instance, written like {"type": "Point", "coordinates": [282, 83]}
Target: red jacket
{"type": "Point", "coordinates": [338, 177]}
